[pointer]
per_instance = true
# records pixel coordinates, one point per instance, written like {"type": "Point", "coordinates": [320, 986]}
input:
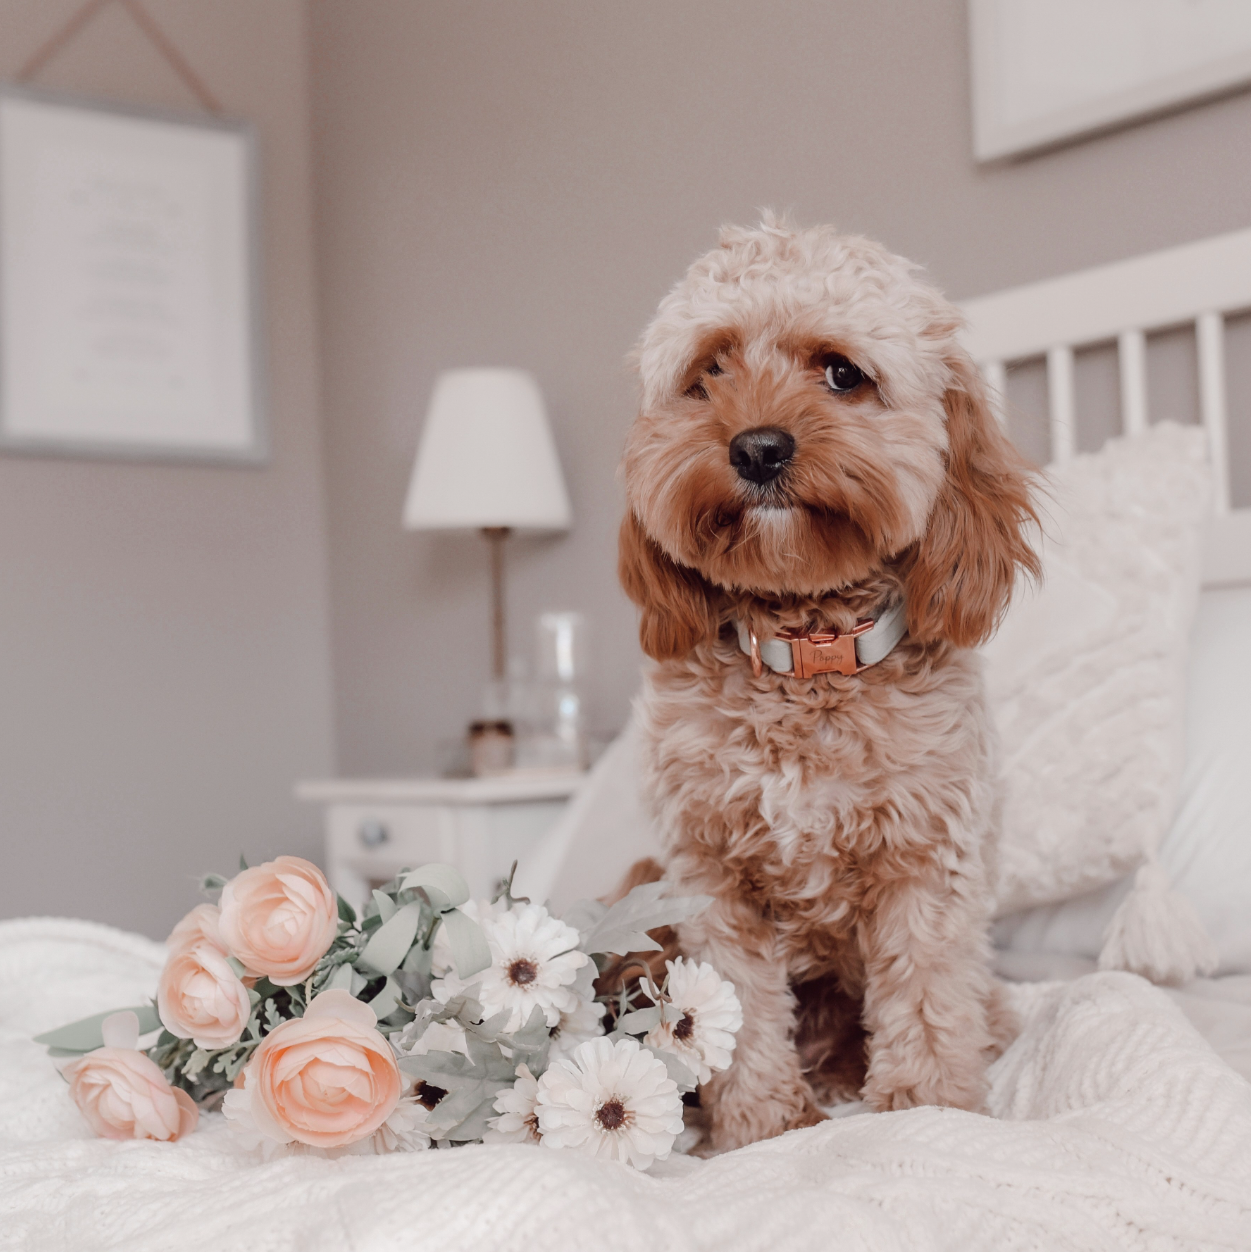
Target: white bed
{"type": "Point", "coordinates": [1120, 1119]}
{"type": "Point", "coordinates": [1115, 1127]}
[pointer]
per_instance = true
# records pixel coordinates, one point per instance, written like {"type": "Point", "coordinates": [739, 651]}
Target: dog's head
{"type": "Point", "coordinates": [809, 421]}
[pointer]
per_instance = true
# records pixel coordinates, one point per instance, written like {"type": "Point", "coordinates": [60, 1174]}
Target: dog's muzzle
{"type": "Point", "coordinates": [805, 654]}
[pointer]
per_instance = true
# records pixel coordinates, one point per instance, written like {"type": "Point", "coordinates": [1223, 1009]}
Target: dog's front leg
{"type": "Point", "coordinates": [764, 1091]}
{"type": "Point", "coordinates": [927, 984]}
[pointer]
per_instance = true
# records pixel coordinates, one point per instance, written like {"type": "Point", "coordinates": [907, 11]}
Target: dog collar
{"type": "Point", "coordinates": [803, 654]}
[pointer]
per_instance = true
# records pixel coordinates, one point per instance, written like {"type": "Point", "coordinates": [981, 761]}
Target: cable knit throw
{"type": "Point", "coordinates": [1114, 1126]}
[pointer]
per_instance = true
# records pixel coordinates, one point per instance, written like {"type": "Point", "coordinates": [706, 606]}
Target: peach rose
{"type": "Point", "coordinates": [200, 997]}
{"type": "Point", "coordinates": [279, 918]}
{"type": "Point", "coordinates": [201, 925]}
{"type": "Point", "coordinates": [325, 1079]}
{"type": "Point", "coordinates": [123, 1093]}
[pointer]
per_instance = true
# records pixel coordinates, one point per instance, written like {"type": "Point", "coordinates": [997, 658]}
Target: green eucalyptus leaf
{"type": "Point", "coordinates": [443, 879]}
{"type": "Point", "coordinates": [199, 1059]}
{"type": "Point", "coordinates": [623, 928]}
{"type": "Point", "coordinates": [490, 1030]}
{"type": "Point", "coordinates": [340, 980]}
{"type": "Point", "coordinates": [243, 863]}
{"type": "Point", "coordinates": [418, 960]}
{"type": "Point", "coordinates": [470, 951]}
{"type": "Point", "coordinates": [449, 1070]}
{"type": "Point", "coordinates": [461, 1115]}
{"type": "Point", "coordinates": [440, 901]}
{"type": "Point", "coordinates": [237, 1062]}
{"type": "Point", "coordinates": [474, 1126]}
{"type": "Point", "coordinates": [346, 912]}
{"type": "Point", "coordinates": [583, 985]}
{"type": "Point", "coordinates": [390, 943]}
{"type": "Point", "coordinates": [639, 1022]}
{"type": "Point", "coordinates": [584, 915]}
{"type": "Point", "coordinates": [387, 907]}
{"type": "Point", "coordinates": [212, 882]}
{"type": "Point", "coordinates": [489, 1061]}
{"type": "Point", "coordinates": [531, 1043]}
{"type": "Point", "coordinates": [679, 1072]}
{"type": "Point", "coordinates": [464, 1009]}
{"type": "Point", "coordinates": [237, 966]}
{"type": "Point", "coordinates": [87, 1035]}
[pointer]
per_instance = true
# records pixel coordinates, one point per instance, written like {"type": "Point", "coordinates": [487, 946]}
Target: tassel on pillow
{"type": "Point", "coordinates": [1156, 933]}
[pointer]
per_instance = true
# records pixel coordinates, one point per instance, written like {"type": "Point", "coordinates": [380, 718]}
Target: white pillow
{"type": "Point", "coordinates": [1207, 850]}
{"type": "Point", "coordinates": [1086, 683]}
{"type": "Point", "coordinates": [605, 829]}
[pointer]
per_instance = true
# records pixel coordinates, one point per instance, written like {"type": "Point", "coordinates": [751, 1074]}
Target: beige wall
{"type": "Point", "coordinates": [518, 184]}
{"type": "Point", "coordinates": [164, 671]}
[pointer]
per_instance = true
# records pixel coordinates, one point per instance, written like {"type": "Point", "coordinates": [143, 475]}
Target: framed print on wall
{"type": "Point", "coordinates": [1045, 71]}
{"type": "Point", "coordinates": [129, 283]}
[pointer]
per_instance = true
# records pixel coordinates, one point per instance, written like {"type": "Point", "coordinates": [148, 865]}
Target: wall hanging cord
{"type": "Point", "coordinates": [66, 34]}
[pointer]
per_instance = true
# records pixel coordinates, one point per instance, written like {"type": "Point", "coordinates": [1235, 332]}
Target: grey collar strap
{"type": "Point", "coordinates": [826, 652]}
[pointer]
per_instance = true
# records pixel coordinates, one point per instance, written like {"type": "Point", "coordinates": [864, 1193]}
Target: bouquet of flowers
{"type": "Point", "coordinates": [429, 1020]}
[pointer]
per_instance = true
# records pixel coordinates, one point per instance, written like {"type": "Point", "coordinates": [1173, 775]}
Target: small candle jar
{"type": "Point", "coordinates": [491, 747]}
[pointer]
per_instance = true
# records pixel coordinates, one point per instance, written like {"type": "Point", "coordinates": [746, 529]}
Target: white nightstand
{"type": "Point", "coordinates": [480, 825]}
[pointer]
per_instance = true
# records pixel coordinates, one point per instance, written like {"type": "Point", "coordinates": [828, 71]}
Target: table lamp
{"type": "Point", "coordinates": [486, 461]}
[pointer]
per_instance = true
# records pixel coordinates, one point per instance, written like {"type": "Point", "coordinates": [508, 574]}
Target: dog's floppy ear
{"type": "Point", "coordinates": [961, 574]}
{"type": "Point", "coordinates": [677, 604]}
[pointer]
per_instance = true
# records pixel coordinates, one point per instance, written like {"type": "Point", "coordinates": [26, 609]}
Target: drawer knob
{"type": "Point", "coordinates": [373, 834]}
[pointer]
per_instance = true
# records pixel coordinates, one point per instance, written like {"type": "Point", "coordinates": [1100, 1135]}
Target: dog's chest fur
{"type": "Point", "coordinates": [810, 794]}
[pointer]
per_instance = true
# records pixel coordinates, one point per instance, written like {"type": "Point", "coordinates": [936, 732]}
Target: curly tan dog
{"type": "Point", "coordinates": [823, 519]}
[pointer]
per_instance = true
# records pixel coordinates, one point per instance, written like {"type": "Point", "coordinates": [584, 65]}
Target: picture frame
{"type": "Point", "coordinates": [1046, 72]}
{"type": "Point", "coordinates": [130, 283]}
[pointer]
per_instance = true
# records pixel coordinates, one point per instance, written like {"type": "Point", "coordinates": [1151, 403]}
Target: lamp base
{"type": "Point", "coordinates": [495, 536]}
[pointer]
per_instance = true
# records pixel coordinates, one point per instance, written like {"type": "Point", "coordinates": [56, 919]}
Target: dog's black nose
{"type": "Point", "coordinates": [760, 455]}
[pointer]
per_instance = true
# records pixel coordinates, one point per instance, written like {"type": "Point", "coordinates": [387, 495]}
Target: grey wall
{"type": "Point", "coordinates": [495, 183]}
{"type": "Point", "coordinates": [518, 184]}
{"type": "Point", "coordinates": [164, 667]}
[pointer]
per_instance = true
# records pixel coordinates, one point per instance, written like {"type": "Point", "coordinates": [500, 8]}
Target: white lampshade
{"type": "Point", "coordinates": [486, 457]}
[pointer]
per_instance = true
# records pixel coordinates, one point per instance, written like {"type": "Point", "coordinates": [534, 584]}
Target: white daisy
{"type": "Point", "coordinates": [701, 1020]}
{"type": "Point", "coordinates": [517, 1121]}
{"type": "Point", "coordinates": [534, 961]}
{"type": "Point", "coordinates": [404, 1131]}
{"type": "Point", "coordinates": [613, 1099]}
{"type": "Point", "coordinates": [585, 1022]}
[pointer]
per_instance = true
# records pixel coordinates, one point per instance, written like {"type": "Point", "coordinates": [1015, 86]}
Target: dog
{"type": "Point", "coordinates": [823, 519]}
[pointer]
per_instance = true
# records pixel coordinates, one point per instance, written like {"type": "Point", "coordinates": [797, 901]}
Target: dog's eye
{"type": "Point", "coordinates": [841, 375]}
{"type": "Point", "coordinates": [697, 390]}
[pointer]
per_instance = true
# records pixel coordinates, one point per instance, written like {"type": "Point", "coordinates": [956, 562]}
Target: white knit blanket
{"type": "Point", "coordinates": [1115, 1127]}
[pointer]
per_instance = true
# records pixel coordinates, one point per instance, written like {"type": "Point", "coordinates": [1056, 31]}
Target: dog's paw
{"type": "Point", "coordinates": [740, 1120]}
{"type": "Point", "coordinates": [891, 1088]}
{"type": "Point", "coordinates": [1002, 1022]}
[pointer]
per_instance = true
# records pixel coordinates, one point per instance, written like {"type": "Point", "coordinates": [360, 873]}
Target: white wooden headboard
{"type": "Point", "coordinates": [1200, 283]}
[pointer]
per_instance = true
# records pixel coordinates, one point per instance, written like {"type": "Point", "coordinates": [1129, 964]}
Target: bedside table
{"type": "Point", "coordinates": [480, 825]}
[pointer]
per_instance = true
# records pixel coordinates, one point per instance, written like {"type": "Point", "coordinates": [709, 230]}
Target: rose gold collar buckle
{"type": "Point", "coordinates": [825, 651]}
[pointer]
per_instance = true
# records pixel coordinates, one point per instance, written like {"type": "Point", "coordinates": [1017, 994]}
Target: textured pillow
{"type": "Point", "coordinates": [1207, 850]}
{"type": "Point", "coordinates": [1086, 683]}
